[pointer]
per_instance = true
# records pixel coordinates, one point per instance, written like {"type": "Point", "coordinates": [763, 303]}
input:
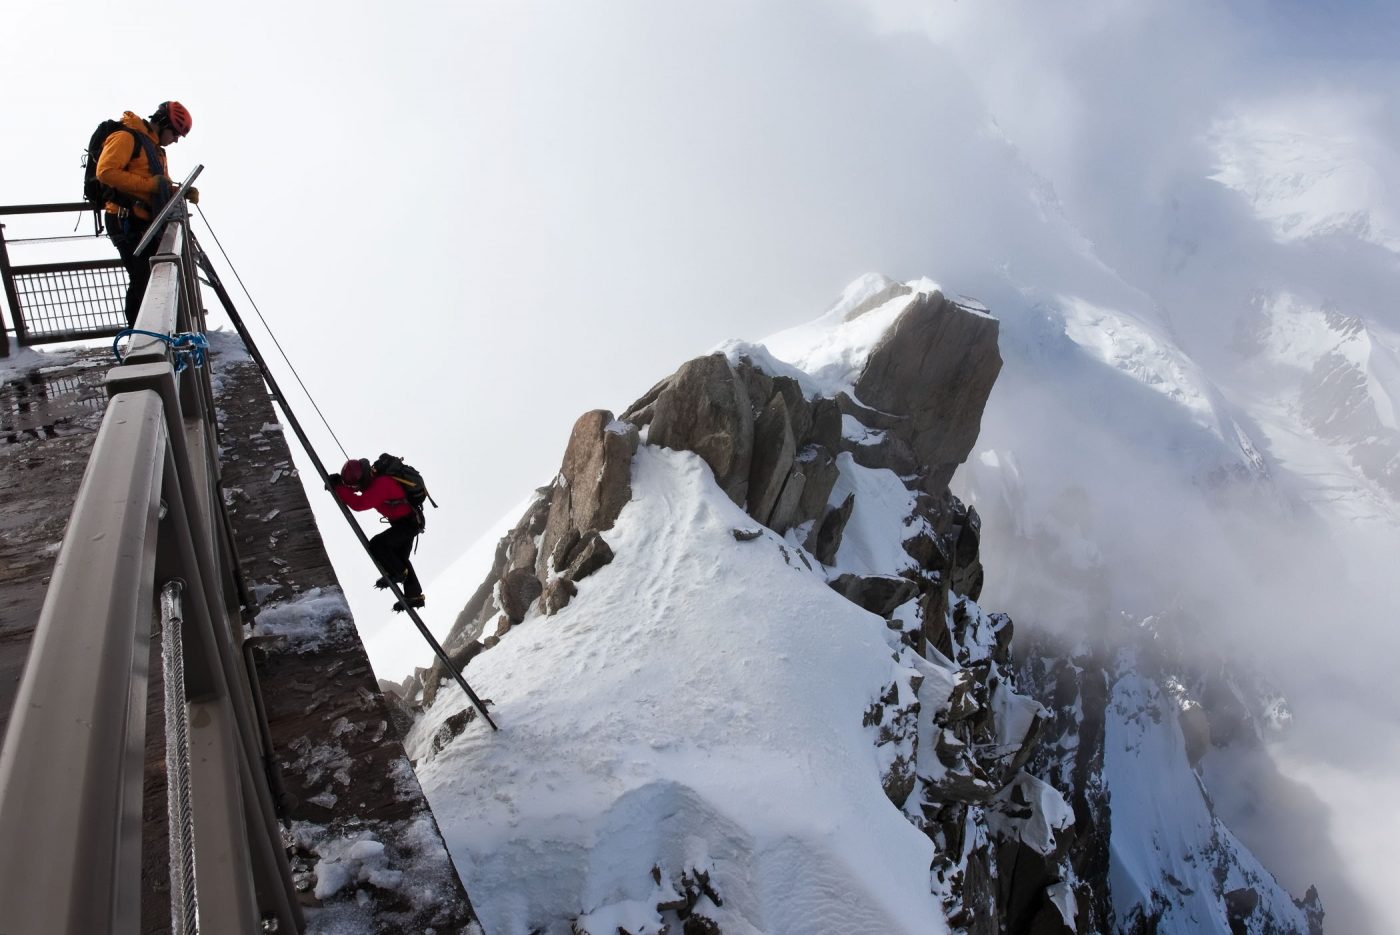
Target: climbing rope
{"type": "Point", "coordinates": [270, 333]}
{"type": "Point", "coordinates": [190, 348]}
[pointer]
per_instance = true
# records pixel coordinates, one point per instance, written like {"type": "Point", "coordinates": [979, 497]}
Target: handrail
{"type": "Point", "coordinates": [72, 758]}
{"type": "Point", "coordinates": [62, 301]}
{"type": "Point", "coordinates": [60, 208]}
{"type": "Point", "coordinates": [147, 513]}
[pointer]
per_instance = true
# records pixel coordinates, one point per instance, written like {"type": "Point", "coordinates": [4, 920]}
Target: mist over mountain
{"type": "Point", "coordinates": [1185, 470]}
{"type": "Point", "coordinates": [1150, 534]}
{"type": "Point", "coordinates": [1222, 451]}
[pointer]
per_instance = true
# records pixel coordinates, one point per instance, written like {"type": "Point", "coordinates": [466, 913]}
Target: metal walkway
{"type": "Point", "coordinates": [173, 486]}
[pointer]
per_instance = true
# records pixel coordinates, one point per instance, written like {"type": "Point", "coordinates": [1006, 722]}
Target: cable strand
{"type": "Point", "coordinates": [270, 332]}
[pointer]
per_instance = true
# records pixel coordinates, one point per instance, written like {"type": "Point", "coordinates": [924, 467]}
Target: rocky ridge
{"type": "Point", "coordinates": [952, 730]}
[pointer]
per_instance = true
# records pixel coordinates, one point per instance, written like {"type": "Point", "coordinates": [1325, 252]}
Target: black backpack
{"type": "Point", "coordinates": [94, 192]}
{"type": "Point", "coordinates": [415, 491]}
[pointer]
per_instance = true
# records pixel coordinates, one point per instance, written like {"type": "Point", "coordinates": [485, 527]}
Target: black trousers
{"type": "Point", "coordinates": [126, 233]}
{"type": "Point", "coordinates": [392, 548]}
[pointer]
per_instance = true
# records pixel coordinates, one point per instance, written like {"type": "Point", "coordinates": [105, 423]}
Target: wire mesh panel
{"type": "Point", "coordinates": [60, 301]}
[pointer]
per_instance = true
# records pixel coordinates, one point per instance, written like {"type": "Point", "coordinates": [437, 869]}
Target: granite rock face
{"type": "Point", "coordinates": [557, 543]}
{"type": "Point", "coordinates": [936, 366]}
{"type": "Point", "coordinates": [704, 408]}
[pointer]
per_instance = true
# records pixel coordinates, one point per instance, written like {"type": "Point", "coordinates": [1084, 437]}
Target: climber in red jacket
{"type": "Point", "coordinates": [360, 488]}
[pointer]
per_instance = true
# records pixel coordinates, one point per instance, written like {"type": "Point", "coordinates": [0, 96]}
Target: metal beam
{"type": "Point", "coordinates": [61, 208]}
{"type": "Point", "coordinates": [64, 267]}
{"type": "Point", "coordinates": [7, 276]}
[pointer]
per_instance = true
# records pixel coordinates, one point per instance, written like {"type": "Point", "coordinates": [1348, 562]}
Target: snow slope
{"type": "Point", "coordinates": [1165, 839]}
{"type": "Point", "coordinates": [699, 686]}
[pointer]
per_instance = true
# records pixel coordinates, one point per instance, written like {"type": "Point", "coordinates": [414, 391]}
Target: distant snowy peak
{"type": "Point", "coordinates": [1323, 340]}
{"type": "Point", "coordinates": [1139, 350]}
{"type": "Point", "coordinates": [1307, 176]}
{"type": "Point", "coordinates": [1335, 374]}
{"type": "Point", "coordinates": [1144, 352]}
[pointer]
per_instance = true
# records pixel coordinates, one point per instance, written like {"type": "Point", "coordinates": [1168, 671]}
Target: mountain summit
{"type": "Point", "coordinates": [745, 685]}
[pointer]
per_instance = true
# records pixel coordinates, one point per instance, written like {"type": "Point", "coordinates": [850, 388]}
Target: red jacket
{"type": "Point", "coordinates": [377, 496]}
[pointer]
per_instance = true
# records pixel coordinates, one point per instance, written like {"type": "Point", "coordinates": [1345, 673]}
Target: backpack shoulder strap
{"type": "Point", "coordinates": [153, 162]}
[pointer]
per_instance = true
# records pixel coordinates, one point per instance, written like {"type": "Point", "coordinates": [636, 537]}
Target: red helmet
{"type": "Point", "coordinates": [355, 473]}
{"type": "Point", "coordinates": [174, 115]}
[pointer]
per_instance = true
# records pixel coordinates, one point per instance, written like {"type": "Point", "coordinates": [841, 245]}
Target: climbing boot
{"type": "Point", "coordinates": [382, 583]}
{"type": "Point", "coordinates": [415, 602]}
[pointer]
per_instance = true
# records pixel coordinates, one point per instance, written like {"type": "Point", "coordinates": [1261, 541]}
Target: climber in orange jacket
{"type": "Point", "coordinates": [133, 165]}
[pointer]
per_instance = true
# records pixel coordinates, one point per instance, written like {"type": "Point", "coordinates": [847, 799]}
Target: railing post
{"type": "Point", "coordinates": [11, 299]}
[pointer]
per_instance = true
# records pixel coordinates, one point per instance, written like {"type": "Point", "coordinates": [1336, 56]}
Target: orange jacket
{"type": "Point", "coordinates": [123, 165]}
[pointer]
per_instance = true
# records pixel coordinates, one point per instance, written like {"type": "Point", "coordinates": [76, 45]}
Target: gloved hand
{"type": "Point", "coordinates": [192, 195]}
{"type": "Point", "coordinates": [333, 481]}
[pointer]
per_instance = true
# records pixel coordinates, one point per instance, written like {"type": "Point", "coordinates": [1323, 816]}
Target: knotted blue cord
{"type": "Point", "coordinates": [189, 347]}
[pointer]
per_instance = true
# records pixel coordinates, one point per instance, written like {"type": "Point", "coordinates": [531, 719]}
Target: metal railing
{"type": "Point", "coordinates": [148, 521]}
{"type": "Point", "coordinates": [65, 301]}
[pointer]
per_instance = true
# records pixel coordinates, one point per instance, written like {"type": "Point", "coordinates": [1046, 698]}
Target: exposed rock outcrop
{"type": "Point", "coordinates": [556, 544]}
{"type": "Point", "coordinates": [936, 366]}
{"type": "Point", "coordinates": [703, 408]}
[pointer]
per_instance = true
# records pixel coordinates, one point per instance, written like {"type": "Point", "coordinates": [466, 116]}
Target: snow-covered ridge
{"type": "Point", "coordinates": [744, 677]}
{"type": "Point", "coordinates": [1135, 348]}
{"type": "Point", "coordinates": [760, 694]}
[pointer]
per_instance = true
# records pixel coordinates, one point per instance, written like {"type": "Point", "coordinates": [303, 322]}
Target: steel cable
{"type": "Point", "coordinates": [184, 904]}
{"type": "Point", "coordinates": [270, 333]}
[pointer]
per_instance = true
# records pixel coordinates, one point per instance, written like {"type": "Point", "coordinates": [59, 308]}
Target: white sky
{"type": "Point", "coordinates": [471, 222]}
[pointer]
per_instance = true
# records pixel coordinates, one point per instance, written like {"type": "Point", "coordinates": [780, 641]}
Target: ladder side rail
{"type": "Point", "coordinates": [275, 391]}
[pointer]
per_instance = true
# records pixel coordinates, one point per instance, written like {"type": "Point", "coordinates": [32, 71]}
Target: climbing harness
{"type": "Point", "coordinates": [190, 347]}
